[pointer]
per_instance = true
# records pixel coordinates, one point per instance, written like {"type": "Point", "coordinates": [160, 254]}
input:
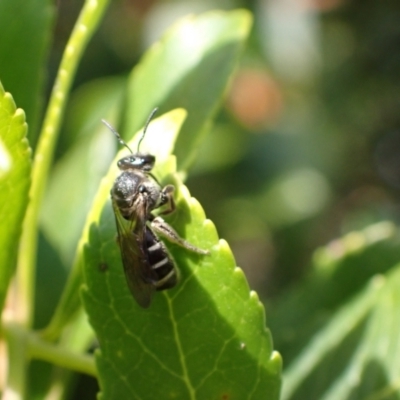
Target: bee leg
{"type": "Point", "coordinates": [163, 229]}
{"type": "Point", "coordinates": [167, 197]}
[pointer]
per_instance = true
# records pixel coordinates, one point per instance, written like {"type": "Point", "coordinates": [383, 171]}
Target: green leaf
{"type": "Point", "coordinates": [5, 160]}
{"type": "Point", "coordinates": [25, 39]}
{"type": "Point", "coordinates": [14, 186]}
{"type": "Point", "coordinates": [85, 163]}
{"type": "Point", "coordinates": [189, 68]}
{"type": "Point", "coordinates": [340, 270]}
{"type": "Point", "coordinates": [97, 99]}
{"type": "Point", "coordinates": [204, 339]}
{"type": "Point", "coordinates": [356, 355]}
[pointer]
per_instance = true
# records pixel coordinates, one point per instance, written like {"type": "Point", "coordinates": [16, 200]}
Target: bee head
{"type": "Point", "coordinates": [144, 162]}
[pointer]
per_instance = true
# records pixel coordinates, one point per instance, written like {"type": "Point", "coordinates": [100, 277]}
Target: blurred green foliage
{"type": "Point", "coordinates": [303, 154]}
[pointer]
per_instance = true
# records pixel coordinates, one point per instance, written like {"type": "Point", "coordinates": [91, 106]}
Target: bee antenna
{"type": "Point", "coordinates": [118, 136]}
{"type": "Point", "coordinates": [145, 127]}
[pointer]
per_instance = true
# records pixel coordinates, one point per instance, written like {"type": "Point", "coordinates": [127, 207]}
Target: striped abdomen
{"type": "Point", "coordinates": [160, 262]}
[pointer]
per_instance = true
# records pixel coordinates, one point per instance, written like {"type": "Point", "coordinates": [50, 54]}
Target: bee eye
{"type": "Point", "coordinates": [142, 189]}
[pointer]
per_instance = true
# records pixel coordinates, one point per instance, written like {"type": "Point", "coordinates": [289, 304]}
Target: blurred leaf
{"type": "Point", "coordinates": [76, 176]}
{"type": "Point", "coordinates": [51, 275]}
{"type": "Point", "coordinates": [14, 186]}
{"type": "Point", "coordinates": [25, 39]}
{"type": "Point", "coordinates": [89, 104]}
{"type": "Point", "coordinates": [210, 158]}
{"type": "Point", "coordinates": [340, 271]}
{"type": "Point", "coordinates": [38, 379]}
{"type": "Point", "coordinates": [204, 339]}
{"type": "Point", "coordinates": [294, 196]}
{"type": "Point", "coordinates": [189, 68]}
{"type": "Point", "coordinates": [355, 356]}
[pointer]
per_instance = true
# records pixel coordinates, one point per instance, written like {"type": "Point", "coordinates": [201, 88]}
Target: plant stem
{"type": "Point", "coordinates": [60, 356]}
{"type": "Point", "coordinates": [82, 32]}
{"type": "Point", "coordinates": [24, 345]}
{"type": "Point", "coordinates": [17, 368]}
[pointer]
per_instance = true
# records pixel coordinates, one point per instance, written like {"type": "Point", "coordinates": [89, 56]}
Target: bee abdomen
{"type": "Point", "coordinates": [160, 262]}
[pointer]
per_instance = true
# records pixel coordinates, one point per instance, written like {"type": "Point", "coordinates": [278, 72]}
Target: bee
{"type": "Point", "coordinates": [135, 194]}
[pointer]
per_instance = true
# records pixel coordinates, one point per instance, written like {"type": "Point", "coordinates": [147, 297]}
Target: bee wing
{"type": "Point", "coordinates": [138, 272]}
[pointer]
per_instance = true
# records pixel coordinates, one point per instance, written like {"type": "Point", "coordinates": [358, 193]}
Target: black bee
{"type": "Point", "coordinates": [135, 194]}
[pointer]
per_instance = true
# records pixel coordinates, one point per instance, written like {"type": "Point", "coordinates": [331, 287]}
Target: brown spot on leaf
{"type": "Point", "coordinates": [103, 267]}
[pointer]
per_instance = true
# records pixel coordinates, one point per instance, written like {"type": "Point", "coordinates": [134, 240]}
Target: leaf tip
{"type": "Point", "coordinates": [196, 206]}
{"type": "Point", "coordinates": [254, 297]}
{"type": "Point", "coordinates": [210, 230]}
{"type": "Point", "coordinates": [276, 361]}
{"type": "Point", "coordinates": [19, 114]}
{"type": "Point", "coordinates": [224, 248]}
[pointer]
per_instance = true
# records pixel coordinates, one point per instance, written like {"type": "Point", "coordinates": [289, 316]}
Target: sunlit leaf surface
{"type": "Point", "coordinates": [189, 68]}
{"type": "Point", "coordinates": [14, 185]}
{"type": "Point", "coordinates": [204, 339]}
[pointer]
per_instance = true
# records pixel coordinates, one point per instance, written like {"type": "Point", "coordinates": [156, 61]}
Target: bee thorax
{"type": "Point", "coordinates": [132, 190]}
{"type": "Point", "coordinates": [126, 186]}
